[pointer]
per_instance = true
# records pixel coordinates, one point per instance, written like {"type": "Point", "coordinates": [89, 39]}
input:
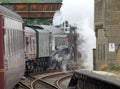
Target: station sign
{"type": "Point", "coordinates": [111, 47]}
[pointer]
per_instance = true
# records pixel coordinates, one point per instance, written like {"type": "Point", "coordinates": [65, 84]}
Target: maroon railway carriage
{"type": "Point", "coordinates": [12, 60]}
{"type": "Point", "coordinates": [30, 43]}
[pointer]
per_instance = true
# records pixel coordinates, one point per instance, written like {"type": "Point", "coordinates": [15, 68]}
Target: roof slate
{"type": "Point", "coordinates": [31, 1]}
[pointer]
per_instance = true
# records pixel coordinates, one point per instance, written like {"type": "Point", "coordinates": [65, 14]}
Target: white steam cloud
{"type": "Point", "coordinates": [57, 18]}
{"type": "Point", "coordinates": [81, 14]}
{"type": "Point", "coordinates": [87, 43]}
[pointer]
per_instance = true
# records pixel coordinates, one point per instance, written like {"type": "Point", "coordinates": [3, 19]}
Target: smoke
{"type": "Point", "coordinates": [57, 18]}
{"type": "Point", "coordinates": [81, 14]}
{"type": "Point", "coordinates": [86, 43]}
{"type": "Point", "coordinates": [60, 59]}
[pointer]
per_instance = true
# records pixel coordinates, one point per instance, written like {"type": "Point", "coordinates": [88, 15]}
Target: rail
{"type": "Point", "coordinates": [42, 83]}
{"type": "Point", "coordinates": [24, 86]}
{"type": "Point", "coordinates": [91, 80]}
{"type": "Point", "coordinates": [59, 81]}
{"type": "Point", "coordinates": [45, 80]}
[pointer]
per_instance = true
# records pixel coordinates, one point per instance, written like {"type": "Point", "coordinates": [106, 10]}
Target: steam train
{"type": "Point", "coordinates": [41, 41]}
{"type": "Point", "coordinates": [12, 62]}
{"type": "Point", "coordinates": [20, 44]}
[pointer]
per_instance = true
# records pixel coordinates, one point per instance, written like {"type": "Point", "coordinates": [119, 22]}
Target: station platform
{"type": "Point", "coordinates": [83, 79]}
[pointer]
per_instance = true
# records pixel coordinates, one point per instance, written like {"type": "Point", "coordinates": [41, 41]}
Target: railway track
{"type": "Point", "coordinates": [33, 83]}
{"type": "Point", "coordinates": [62, 83]}
{"type": "Point", "coordinates": [40, 84]}
{"type": "Point", "coordinates": [27, 83]}
{"type": "Point", "coordinates": [56, 78]}
{"type": "Point", "coordinates": [46, 80]}
{"type": "Point", "coordinates": [81, 79]}
{"type": "Point", "coordinates": [23, 86]}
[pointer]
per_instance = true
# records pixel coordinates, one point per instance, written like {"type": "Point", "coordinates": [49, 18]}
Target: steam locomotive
{"type": "Point", "coordinates": [20, 44]}
{"type": "Point", "coordinates": [41, 41]}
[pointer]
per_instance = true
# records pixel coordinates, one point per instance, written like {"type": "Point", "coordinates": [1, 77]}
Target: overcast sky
{"type": "Point", "coordinates": [78, 10]}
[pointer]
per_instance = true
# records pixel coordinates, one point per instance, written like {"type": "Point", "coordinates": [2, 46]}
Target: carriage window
{"type": "Point", "coordinates": [10, 37]}
{"type": "Point", "coordinates": [21, 40]}
{"type": "Point", "coordinates": [13, 41]}
{"type": "Point", "coordinates": [15, 36]}
{"type": "Point", "coordinates": [6, 43]}
{"type": "Point", "coordinates": [17, 41]}
{"type": "Point", "coordinates": [9, 42]}
{"type": "Point", "coordinates": [18, 37]}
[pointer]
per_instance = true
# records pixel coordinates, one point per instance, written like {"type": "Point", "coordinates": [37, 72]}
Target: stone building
{"type": "Point", "coordinates": [107, 29]}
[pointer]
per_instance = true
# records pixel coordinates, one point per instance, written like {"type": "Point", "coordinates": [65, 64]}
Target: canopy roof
{"type": "Point", "coordinates": [31, 1]}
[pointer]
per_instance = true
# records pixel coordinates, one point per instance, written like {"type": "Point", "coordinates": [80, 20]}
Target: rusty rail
{"type": "Point", "coordinates": [24, 85]}
{"type": "Point", "coordinates": [59, 81]}
{"type": "Point", "coordinates": [43, 83]}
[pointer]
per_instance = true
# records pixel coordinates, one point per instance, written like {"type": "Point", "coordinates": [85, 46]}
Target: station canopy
{"type": "Point", "coordinates": [31, 1]}
{"type": "Point", "coordinates": [31, 9]}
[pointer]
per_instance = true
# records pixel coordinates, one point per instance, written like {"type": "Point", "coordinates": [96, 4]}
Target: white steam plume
{"type": "Point", "coordinates": [81, 14]}
{"type": "Point", "coordinates": [57, 19]}
{"type": "Point", "coordinates": [86, 43]}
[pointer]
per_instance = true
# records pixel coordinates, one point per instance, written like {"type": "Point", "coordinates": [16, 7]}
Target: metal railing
{"type": "Point", "coordinates": [90, 80]}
